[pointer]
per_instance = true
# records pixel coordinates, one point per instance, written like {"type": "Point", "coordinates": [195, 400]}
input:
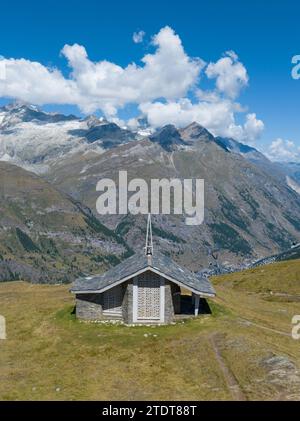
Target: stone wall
{"type": "Point", "coordinates": [89, 306]}
{"type": "Point", "coordinates": [169, 307]}
{"type": "Point", "coordinates": [128, 303]}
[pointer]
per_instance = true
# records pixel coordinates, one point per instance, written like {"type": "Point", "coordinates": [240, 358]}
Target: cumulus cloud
{"type": "Point", "coordinates": [230, 74]}
{"type": "Point", "coordinates": [138, 37]}
{"type": "Point", "coordinates": [212, 115]}
{"type": "Point", "coordinates": [252, 128]}
{"type": "Point", "coordinates": [169, 72]}
{"type": "Point", "coordinates": [217, 116]}
{"type": "Point", "coordinates": [216, 109]}
{"type": "Point", "coordinates": [33, 82]}
{"type": "Point", "coordinates": [162, 86]}
{"type": "Point", "coordinates": [283, 150]}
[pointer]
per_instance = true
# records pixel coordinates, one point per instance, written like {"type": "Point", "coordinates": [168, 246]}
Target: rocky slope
{"type": "Point", "coordinates": [291, 254]}
{"type": "Point", "coordinates": [250, 209]}
{"type": "Point", "coordinates": [47, 237]}
{"type": "Point", "coordinates": [287, 172]}
{"type": "Point", "coordinates": [35, 140]}
{"type": "Point", "coordinates": [248, 213]}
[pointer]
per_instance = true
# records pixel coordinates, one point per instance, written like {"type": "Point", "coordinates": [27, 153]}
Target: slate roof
{"type": "Point", "coordinates": [139, 262]}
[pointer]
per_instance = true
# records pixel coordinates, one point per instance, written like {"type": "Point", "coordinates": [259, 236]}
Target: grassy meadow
{"type": "Point", "coordinates": [243, 351]}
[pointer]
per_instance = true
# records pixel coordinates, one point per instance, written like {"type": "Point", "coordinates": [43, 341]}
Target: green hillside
{"type": "Point", "coordinates": [243, 351]}
{"type": "Point", "coordinates": [276, 278]}
{"type": "Point", "coordinates": [47, 237]}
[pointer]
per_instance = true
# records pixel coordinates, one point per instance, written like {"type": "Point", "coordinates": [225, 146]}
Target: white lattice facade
{"type": "Point", "coordinates": [148, 298]}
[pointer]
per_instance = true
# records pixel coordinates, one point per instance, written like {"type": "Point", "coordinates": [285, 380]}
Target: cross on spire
{"type": "Point", "coordinates": [149, 243]}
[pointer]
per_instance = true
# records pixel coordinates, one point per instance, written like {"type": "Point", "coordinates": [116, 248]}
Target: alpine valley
{"type": "Point", "coordinates": [50, 164]}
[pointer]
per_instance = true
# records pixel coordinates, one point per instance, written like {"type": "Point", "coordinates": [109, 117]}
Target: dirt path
{"type": "Point", "coordinates": [251, 323]}
{"type": "Point", "coordinates": [230, 380]}
{"type": "Point", "coordinates": [279, 332]}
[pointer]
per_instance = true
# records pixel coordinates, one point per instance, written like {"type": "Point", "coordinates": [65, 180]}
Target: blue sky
{"type": "Point", "coordinates": [264, 35]}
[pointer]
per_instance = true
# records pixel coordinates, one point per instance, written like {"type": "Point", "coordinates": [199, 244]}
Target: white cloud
{"type": "Point", "coordinates": [217, 116]}
{"type": "Point", "coordinates": [283, 150]}
{"type": "Point", "coordinates": [33, 82]}
{"type": "Point", "coordinates": [138, 37]}
{"type": "Point", "coordinates": [169, 72]}
{"type": "Point", "coordinates": [231, 75]}
{"type": "Point", "coordinates": [160, 87]}
{"type": "Point", "coordinates": [2, 69]}
{"type": "Point", "coordinates": [252, 128]}
{"type": "Point", "coordinates": [232, 54]}
{"type": "Point", "coordinates": [212, 115]}
{"type": "Point", "coordinates": [215, 109]}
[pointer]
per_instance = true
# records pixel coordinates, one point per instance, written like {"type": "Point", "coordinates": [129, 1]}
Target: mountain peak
{"type": "Point", "coordinates": [19, 106]}
{"type": "Point", "coordinates": [92, 121]}
{"type": "Point", "coordinates": [21, 112]}
{"type": "Point", "coordinates": [194, 124]}
{"type": "Point", "coordinates": [251, 153]}
{"type": "Point", "coordinates": [168, 137]}
{"type": "Point", "coordinates": [169, 128]}
{"type": "Point", "coordinates": [194, 131]}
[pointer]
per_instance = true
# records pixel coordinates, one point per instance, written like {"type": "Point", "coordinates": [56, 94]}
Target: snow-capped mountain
{"type": "Point", "coordinates": [34, 139]}
{"type": "Point", "coordinates": [250, 209]}
{"type": "Point", "coordinates": [37, 140]}
{"type": "Point", "coordinates": [12, 114]}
